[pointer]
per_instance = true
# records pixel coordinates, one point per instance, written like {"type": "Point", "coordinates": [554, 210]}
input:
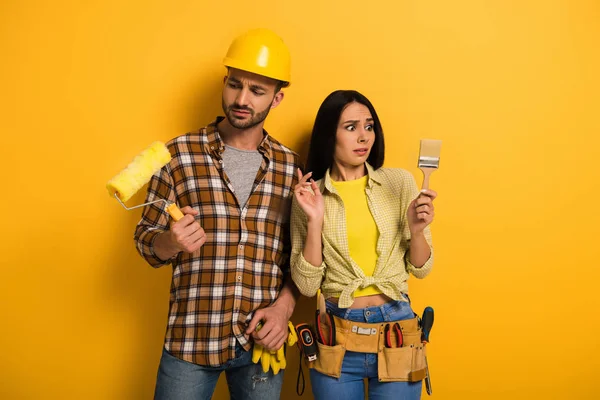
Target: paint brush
{"type": "Point", "coordinates": [429, 158]}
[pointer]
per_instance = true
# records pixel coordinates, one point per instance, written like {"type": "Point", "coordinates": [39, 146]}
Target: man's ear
{"type": "Point", "coordinates": [224, 79]}
{"type": "Point", "coordinates": [277, 99]}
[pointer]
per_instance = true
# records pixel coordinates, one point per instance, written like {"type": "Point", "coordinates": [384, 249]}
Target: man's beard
{"type": "Point", "coordinates": [255, 118]}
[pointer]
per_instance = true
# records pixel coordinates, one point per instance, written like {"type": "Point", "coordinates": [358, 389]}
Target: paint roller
{"type": "Point", "coordinates": [139, 172]}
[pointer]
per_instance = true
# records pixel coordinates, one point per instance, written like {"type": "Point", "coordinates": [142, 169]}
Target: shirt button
{"type": "Point", "coordinates": [220, 161]}
{"type": "Point", "coordinates": [367, 313]}
{"type": "Point", "coordinates": [239, 278]}
{"type": "Point", "coordinates": [241, 247]}
{"type": "Point", "coordinates": [212, 147]}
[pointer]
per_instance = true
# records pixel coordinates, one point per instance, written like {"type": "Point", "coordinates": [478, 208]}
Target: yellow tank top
{"type": "Point", "coordinates": [361, 229]}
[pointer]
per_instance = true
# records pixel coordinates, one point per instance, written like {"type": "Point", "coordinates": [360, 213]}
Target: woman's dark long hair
{"type": "Point", "coordinates": [322, 140]}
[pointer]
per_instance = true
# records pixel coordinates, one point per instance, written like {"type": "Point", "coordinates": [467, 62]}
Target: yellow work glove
{"type": "Point", "coordinates": [292, 335]}
{"type": "Point", "coordinates": [275, 359]}
{"type": "Point", "coordinates": [291, 340]}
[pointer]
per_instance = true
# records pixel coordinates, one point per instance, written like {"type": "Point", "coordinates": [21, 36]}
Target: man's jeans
{"type": "Point", "coordinates": [181, 380]}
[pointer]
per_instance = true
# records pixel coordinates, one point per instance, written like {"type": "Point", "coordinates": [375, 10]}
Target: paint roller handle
{"type": "Point", "coordinates": [174, 212]}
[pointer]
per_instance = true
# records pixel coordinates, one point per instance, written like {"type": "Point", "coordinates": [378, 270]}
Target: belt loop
{"type": "Point", "coordinates": [384, 313]}
{"type": "Point", "coordinates": [347, 313]}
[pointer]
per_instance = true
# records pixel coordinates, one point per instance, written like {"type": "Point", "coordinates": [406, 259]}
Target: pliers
{"type": "Point", "coordinates": [330, 341]}
{"type": "Point", "coordinates": [388, 335]}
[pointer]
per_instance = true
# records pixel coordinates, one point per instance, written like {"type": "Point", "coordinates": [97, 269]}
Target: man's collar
{"type": "Point", "coordinates": [217, 146]}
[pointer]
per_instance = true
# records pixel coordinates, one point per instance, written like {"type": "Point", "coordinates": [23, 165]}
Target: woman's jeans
{"type": "Point", "coordinates": [358, 366]}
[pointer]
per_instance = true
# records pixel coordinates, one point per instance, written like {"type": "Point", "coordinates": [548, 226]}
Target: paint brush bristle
{"type": "Point", "coordinates": [429, 153]}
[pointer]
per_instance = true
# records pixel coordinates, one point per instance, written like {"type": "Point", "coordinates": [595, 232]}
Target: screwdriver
{"type": "Point", "coordinates": [426, 324]}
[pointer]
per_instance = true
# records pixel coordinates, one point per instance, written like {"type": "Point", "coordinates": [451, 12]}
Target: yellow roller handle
{"type": "Point", "coordinates": [174, 212]}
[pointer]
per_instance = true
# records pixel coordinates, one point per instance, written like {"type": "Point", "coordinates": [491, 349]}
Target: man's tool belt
{"type": "Point", "coordinates": [405, 363]}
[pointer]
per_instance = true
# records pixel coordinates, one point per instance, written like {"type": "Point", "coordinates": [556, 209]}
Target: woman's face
{"type": "Point", "coordinates": [355, 136]}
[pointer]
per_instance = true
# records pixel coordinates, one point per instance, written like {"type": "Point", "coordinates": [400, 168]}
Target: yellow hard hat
{"type": "Point", "coordinates": [262, 52]}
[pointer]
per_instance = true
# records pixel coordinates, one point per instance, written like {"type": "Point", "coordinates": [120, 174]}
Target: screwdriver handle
{"type": "Point", "coordinates": [426, 324]}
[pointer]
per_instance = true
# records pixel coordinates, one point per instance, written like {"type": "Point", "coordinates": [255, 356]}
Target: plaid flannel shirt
{"type": "Point", "coordinates": [245, 259]}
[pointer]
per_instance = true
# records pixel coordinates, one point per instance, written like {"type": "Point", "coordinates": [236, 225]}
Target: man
{"type": "Point", "coordinates": [230, 252]}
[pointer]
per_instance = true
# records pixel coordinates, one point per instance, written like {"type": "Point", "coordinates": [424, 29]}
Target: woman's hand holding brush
{"type": "Point", "coordinates": [421, 211]}
{"type": "Point", "coordinates": [420, 214]}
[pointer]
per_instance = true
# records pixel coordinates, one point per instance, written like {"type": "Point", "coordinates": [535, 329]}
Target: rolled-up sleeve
{"type": "Point", "coordinates": [306, 276]}
{"type": "Point", "coordinates": [425, 269]}
{"type": "Point", "coordinates": [155, 219]}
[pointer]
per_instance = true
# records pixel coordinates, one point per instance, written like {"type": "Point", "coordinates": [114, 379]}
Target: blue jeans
{"type": "Point", "coordinates": [358, 366]}
{"type": "Point", "coordinates": [182, 380]}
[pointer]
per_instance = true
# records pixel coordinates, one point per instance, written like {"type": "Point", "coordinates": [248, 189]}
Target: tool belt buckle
{"type": "Point", "coordinates": [363, 331]}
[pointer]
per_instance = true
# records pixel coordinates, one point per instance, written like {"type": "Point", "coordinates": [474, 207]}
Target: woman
{"type": "Point", "coordinates": [358, 230]}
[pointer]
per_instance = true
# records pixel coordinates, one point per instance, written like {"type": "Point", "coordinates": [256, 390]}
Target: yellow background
{"type": "Point", "coordinates": [511, 87]}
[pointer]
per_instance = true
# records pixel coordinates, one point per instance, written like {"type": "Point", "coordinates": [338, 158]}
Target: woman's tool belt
{"type": "Point", "coordinates": [400, 351]}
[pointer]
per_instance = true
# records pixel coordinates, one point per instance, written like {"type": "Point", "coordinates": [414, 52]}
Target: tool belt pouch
{"type": "Point", "coordinates": [406, 363]}
{"type": "Point", "coordinates": [329, 360]}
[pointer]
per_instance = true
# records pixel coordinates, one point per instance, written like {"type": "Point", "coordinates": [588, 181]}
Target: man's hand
{"type": "Point", "coordinates": [185, 235]}
{"type": "Point", "coordinates": [274, 330]}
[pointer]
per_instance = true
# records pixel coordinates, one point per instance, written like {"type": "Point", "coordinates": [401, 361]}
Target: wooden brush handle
{"type": "Point", "coordinates": [174, 212]}
{"type": "Point", "coordinates": [426, 173]}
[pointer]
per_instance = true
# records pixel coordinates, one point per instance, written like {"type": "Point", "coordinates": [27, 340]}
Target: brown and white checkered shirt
{"type": "Point", "coordinates": [242, 265]}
